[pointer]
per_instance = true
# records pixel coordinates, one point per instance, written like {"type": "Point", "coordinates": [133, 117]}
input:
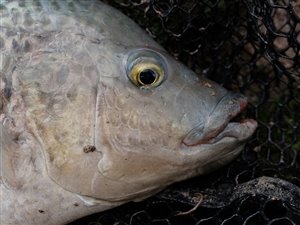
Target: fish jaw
{"type": "Point", "coordinates": [217, 125]}
{"type": "Point", "coordinates": [217, 141]}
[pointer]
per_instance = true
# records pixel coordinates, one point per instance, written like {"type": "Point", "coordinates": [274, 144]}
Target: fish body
{"type": "Point", "coordinates": [94, 113]}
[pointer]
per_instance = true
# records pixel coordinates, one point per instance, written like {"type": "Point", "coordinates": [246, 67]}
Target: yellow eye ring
{"type": "Point", "coordinates": [146, 74]}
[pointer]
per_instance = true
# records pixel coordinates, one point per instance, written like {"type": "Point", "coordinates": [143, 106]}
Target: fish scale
{"type": "Point", "coordinates": [78, 134]}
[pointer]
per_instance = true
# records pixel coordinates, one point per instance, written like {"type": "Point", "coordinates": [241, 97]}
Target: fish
{"type": "Point", "coordinates": [94, 113]}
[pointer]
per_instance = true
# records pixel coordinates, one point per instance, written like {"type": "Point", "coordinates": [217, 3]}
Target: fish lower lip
{"type": "Point", "coordinates": [238, 130]}
{"type": "Point", "coordinates": [217, 127]}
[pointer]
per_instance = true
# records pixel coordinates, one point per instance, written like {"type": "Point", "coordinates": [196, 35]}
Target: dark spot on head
{"type": "Point", "coordinates": [2, 7]}
{"type": "Point", "coordinates": [76, 204]}
{"type": "Point", "coordinates": [41, 211]}
{"type": "Point", "coordinates": [36, 4]}
{"type": "Point", "coordinates": [15, 15]}
{"type": "Point", "coordinates": [95, 41]}
{"type": "Point", "coordinates": [16, 137]}
{"type": "Point", "coordinates": [2, 43]}
{"type": "Point", "coordinates": [28, 21]}
{"type": "Point", "coordinates": [26, 46]}
{"type": "Point", "coordinates": [7, 92]}
{"type": "Point", "coordinates": [71, 4]}
{"type": "Point", "coordinates": [4, 97]}
{"type": "Point", "coordinates": [55, 5]}
{"type": "Point", "coordinates": [72, 93]}
{"type": "Point", "coordinates": [15, 44]}
{"type": "Point", "coordinates": [10, 33]}
{"type": "Point", "coordinates": [89, 148]}
{"type": "Point", "coordinates": [22, 3]}
{"type": "Point", "coordinates": [41, 37]}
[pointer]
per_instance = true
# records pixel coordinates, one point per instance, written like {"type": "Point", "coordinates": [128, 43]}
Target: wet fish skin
{"type": "Point", "coordinates": [77, 136]}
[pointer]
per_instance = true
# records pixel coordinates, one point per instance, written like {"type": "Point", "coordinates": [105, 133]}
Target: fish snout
{"type": "Point", "coordinates": [217, 125]}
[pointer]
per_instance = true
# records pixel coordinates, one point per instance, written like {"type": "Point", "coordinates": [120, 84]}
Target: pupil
{"type": "Point", "coordinates": [147, 77]}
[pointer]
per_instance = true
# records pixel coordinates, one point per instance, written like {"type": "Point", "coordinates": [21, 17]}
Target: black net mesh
{"type": "Point", "coordinates": [249, 46]}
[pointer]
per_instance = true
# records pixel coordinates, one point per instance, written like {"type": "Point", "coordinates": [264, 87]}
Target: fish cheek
{"type": "Point", "coordinates": [131, 176]}
{"type": "Point", "coordinates": [136, 148]}
{"type": "Point", "coordinates": [135, 122]}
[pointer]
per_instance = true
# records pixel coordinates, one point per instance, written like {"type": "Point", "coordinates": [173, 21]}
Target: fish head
{"type": "Point", "coordinates": [163, 123]}
{"type": "Point", "coordinates": [118, 122]}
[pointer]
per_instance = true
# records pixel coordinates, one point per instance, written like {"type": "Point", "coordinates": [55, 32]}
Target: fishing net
{"type": "Point", "coordinates": [252, 47]}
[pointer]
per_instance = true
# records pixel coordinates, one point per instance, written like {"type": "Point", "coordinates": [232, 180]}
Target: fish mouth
{"type": "Point", "coordinates": [218, 125]}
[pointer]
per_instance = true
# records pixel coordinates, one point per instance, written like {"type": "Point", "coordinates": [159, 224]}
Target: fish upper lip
{"type": "Point", "coordinates": [204, 135]}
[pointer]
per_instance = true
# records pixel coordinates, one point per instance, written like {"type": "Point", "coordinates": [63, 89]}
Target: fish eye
{"type": "Point", "coordinates": [146, 74]}
{"type": "Point", "coordinates": [147, 77]}
{"type": "Point", "coordinates": [145, 68]}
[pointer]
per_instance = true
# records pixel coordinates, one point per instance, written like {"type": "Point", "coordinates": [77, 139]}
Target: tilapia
{"type": "Point", "coordinates": [94, 113]}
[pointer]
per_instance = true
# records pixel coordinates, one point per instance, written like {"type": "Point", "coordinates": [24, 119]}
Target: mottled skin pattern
{"type": "Point", "coordinates": [77, 136]}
